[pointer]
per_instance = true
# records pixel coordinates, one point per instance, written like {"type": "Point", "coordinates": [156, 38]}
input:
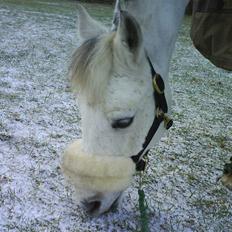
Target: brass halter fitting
{"type": "Point", "coordinates": [168, 122]}
{"type": "Point", "coordinates": [156, 86]}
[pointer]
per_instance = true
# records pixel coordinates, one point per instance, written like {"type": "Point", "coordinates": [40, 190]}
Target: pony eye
{"type": "Point", "coordinates": [122, 123]}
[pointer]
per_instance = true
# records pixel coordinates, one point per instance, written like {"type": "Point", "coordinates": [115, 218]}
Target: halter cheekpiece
{"type": "Point", "coordinates": [161, 109]}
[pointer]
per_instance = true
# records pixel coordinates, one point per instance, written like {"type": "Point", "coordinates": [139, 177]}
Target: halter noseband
{"type": "Point", "coordinates": [161, 109]}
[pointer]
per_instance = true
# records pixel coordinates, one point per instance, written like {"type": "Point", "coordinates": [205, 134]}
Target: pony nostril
{"type": "Point", "coordinates": [91, 207]}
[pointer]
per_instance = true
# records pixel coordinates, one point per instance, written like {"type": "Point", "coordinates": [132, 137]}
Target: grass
{"type": "Point", "coordinates": [40, 117]}
{"type": "Point", "coordinates": [58, 7]}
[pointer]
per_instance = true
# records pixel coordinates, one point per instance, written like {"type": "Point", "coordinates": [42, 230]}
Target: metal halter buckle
{"type": "Point", "coordinates": [168, 122]}
{"type": "Point", "coordinates": [141, 165]}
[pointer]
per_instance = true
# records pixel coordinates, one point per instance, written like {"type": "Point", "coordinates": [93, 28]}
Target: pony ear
{"type": "Point", "coordinates": [88, 27]}
{"type": "Point", "coordinates": [117, 10]}
{"type": "Point", "coordinates": [129, 32]}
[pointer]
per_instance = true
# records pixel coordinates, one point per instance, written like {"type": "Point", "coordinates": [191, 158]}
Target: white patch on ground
{"type": "Point", "coordinates": [39, 118]}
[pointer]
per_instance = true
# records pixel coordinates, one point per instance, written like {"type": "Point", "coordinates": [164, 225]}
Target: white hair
{"type": "Point", "coordinates": [91, 67]}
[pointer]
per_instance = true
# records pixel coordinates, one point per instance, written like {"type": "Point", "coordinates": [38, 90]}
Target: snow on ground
{"type": "Point", "coordinates": [39, 117]}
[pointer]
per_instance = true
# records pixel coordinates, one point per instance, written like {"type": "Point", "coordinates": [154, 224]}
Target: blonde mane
{"type": "Point", "coordinates": [91, 67]}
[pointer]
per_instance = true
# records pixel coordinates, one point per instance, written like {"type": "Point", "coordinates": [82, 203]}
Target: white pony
{"type": "Point", "coordinates": [112, 76]}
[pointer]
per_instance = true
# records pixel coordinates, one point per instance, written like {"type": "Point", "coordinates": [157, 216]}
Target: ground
{"type": "Point", "coordinates": [39, 117]}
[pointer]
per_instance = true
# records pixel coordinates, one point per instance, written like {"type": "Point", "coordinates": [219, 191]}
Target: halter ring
{"type": "Point", "coordinates": [156, 87]}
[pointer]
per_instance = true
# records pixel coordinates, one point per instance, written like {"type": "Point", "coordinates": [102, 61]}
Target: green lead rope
{"type": "Point", "coordinates": [143, 208]}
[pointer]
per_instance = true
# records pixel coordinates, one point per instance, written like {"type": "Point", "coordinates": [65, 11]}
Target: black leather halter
{"type": "Point", "coordinates": [161, 109]}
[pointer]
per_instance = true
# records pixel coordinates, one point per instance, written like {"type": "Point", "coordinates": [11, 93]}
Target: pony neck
{"type": "Point", "coordinates": [160, 21]}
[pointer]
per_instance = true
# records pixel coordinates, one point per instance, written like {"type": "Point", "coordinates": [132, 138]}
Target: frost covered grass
{"type": "Point", "coordinates": [39, 117]}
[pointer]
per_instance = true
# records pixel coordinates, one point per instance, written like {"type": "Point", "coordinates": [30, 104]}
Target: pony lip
{"type": "Point", "coordinates": [94, 206]}
{"type": "Point", "coordinates": [116, 203]}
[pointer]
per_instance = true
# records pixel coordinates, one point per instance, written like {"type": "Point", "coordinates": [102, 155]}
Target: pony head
{"type": "Point", "coordinates": [112, 78]}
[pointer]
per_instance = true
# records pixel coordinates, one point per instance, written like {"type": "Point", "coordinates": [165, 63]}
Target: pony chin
{"type": "Point", "coordinates": [96, 173]}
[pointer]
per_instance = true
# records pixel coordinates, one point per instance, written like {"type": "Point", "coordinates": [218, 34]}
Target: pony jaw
{"type": "Point", "coordinates": [94, 172]}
